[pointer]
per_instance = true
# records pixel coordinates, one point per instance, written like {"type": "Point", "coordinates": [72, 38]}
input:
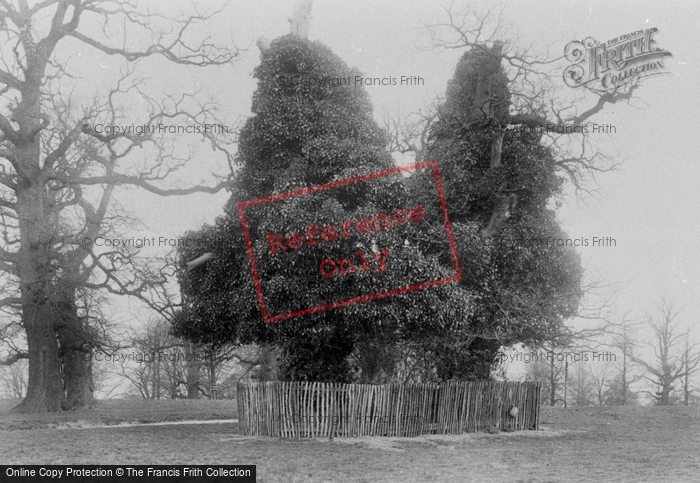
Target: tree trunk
{"type": "Point", "coordinates": [173, 378]}
{"type": "Point", "coordinates": [376, 359]}
{"type": "Point", "coordinates": [664, 399]}
{"type": "Point", "coordinates": [624, 377]}
{"type": "Point", "coordinates": [77, 373]}
{"type": "Point", "coordinates": [666, 381]}
{"type": "Point", "coordinates": [497, 149]}
{"type": "Point", "coordinates": [552, 383]}
{"type": "Point", "coordinates": [566, 383]}
{"type": "Point", "coordinates": [191, 357]}
{"type": "Point", "coordinates": [75, 345]}
{"type": "Point", "coordinates": [77, 367]}
{"type": "Point", "coordinates": [34, 269]}
{"type": "Point", "coordinates": [212, 377]}
{"type": "Point", "coordinates": [155, 376]}
{"type": "Point", "coordinates": [44, 388]}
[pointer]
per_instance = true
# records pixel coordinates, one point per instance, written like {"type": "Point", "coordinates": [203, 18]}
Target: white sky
{"type": "Point", "coordinates": [650, 206]}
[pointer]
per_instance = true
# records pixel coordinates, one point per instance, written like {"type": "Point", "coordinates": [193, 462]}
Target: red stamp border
{"type": "Point", "coordinates": [365, 298]}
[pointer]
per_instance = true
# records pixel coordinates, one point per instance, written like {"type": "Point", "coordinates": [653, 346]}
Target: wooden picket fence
{"type": "Point", "coordinates": [312, 410]}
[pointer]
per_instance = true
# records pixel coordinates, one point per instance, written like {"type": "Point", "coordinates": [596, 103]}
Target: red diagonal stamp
{"type": "Point", "coordinates": [313, 249]}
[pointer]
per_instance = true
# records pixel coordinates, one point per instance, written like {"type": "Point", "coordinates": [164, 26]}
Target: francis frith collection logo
{"type": "Point", "coordinates": [609, 65]}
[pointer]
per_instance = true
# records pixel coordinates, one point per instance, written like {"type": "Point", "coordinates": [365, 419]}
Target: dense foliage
{"type": "Point", "coordinates": [525, 283]}
{"type": "Point", "coordinates": [301, 135]}
{"type": "Point", "coordinates": [518, 286]}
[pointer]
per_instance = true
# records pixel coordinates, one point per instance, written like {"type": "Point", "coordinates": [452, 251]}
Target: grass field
{"type": "Point", "coordinates": [580, 444]}
{"type": "Point", "coordinates": [116, 411]}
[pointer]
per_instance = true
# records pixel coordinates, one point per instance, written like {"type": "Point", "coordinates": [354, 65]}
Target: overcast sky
{"type": "Point", "coordinates": [650, 206]}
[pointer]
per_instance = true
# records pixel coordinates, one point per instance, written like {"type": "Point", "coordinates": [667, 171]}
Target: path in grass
{"type": "Point", "coordinates": [122, 411]}
{"type": "Point", "coordinates": [88, 425]}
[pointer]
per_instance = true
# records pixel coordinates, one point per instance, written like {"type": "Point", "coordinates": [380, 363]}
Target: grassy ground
{"type": "Point", "coordinates": [117, 411]}
{"type": "Point", "coordinates": [586, 444]}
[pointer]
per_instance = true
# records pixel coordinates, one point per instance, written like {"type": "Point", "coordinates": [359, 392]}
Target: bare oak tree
{"type": "Point", "coordinates": [623, 338]}
{"type": "Point", "coordinates": [668, 364]}
{"type": "Point", "coordinates": [57, 176]}
{"type": "Point", "coordinates": [536, 100]}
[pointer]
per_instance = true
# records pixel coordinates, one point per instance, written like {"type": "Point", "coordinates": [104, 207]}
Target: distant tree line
{"type": "Point", "coordinates": [628, 371]}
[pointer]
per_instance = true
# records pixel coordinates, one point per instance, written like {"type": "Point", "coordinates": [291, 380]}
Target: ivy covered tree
{"type": "Point", "coordinates": [500, 184]}
{"type": "Point", "coordinates": [303, 134]}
